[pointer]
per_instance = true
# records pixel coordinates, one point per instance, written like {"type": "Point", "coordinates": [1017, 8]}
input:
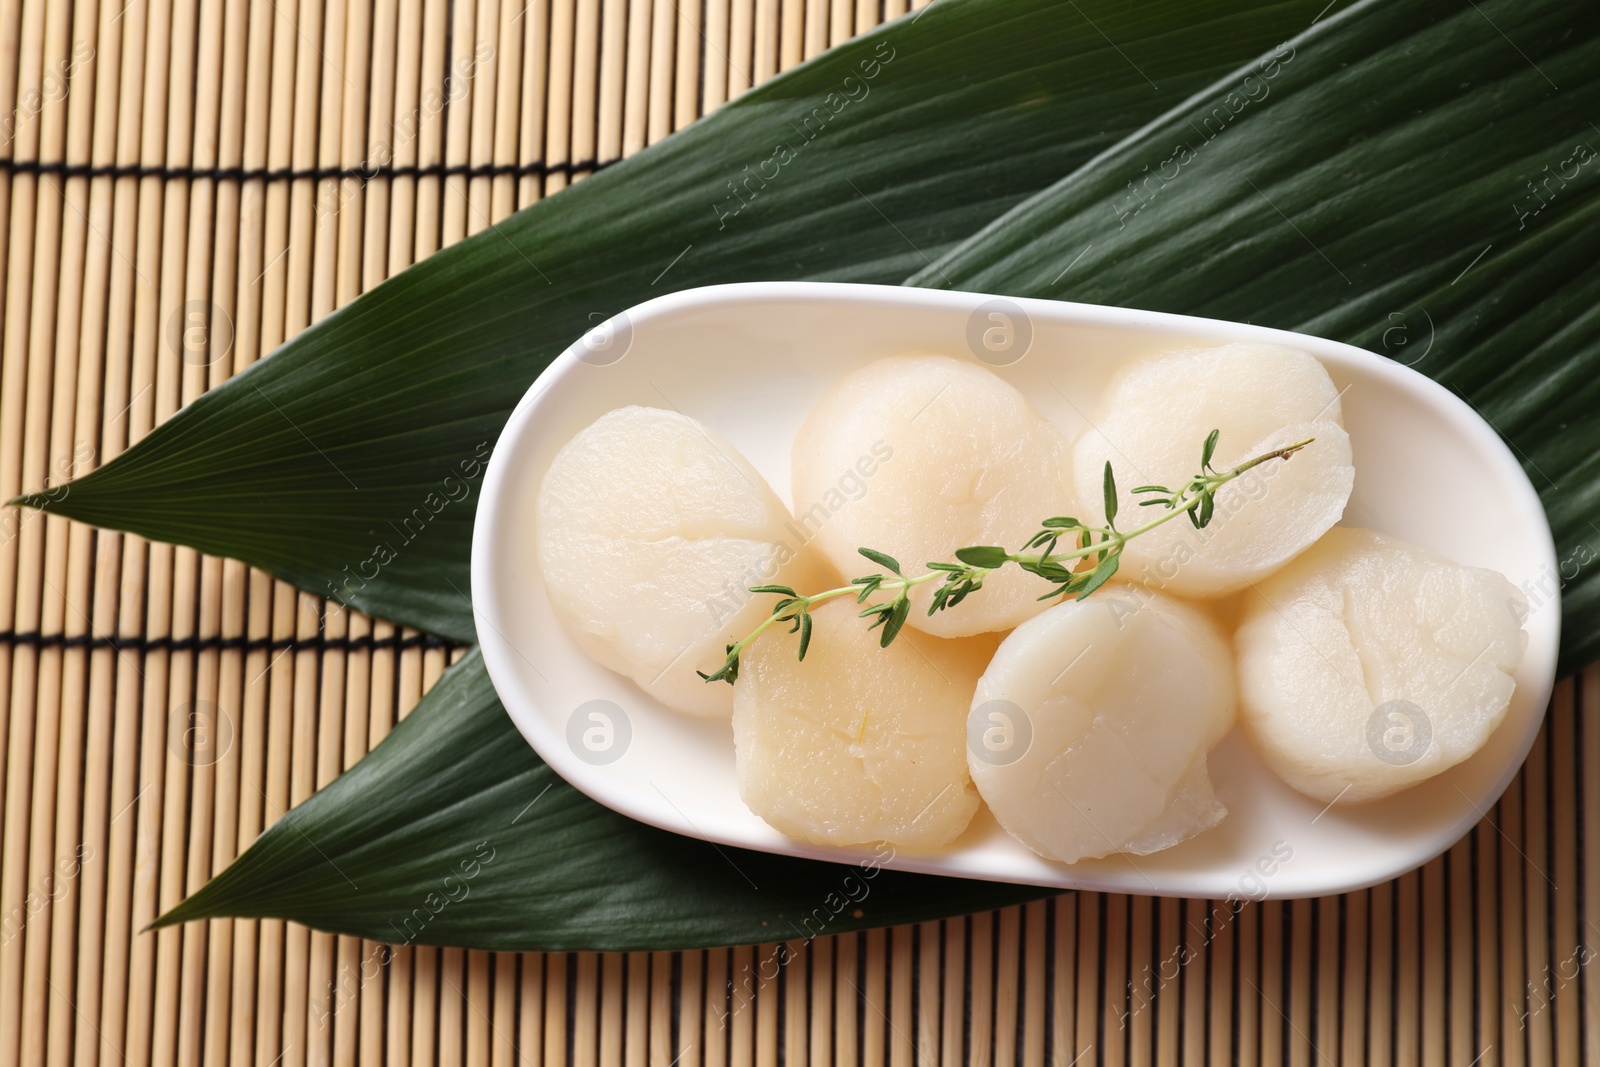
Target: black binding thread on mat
{"type": "Point", "coordinates": [136, 643]}
{"type": "Point", "coordinates": [239, 174]}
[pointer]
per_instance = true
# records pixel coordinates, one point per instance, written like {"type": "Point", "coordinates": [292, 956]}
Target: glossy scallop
{"type": "Point", "coordinates": [857, 743]}
{"type": "Point", "coordinates": [1370, 664]}
{"type": "Point", "coordinates": [1089, 731]}
{"type": "Point", "coordinates": [1152, 423]}
{"type": "Point", "coordinates": [649, 531]}
{"type": "Point", "coordinates": [918, 456]}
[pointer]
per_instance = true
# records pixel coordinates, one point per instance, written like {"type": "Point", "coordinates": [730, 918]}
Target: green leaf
{"type": "Point", "coordinates": [1100, 575]}
{"type": "Point", "coordinates": [1207, 452]}
{"type": "Point", "coordinates": [1393, 154]}
{"type": "Point", "coordinates": [348, 463]}
{"type": "Point", "coordinates": [896, 617]}
{"type": "Point", "coordinates": [783, 589]}
{"type": "Point", "coordinates": [987, 556]}
{"type": "Point", "coordinates": [379, 853]}
{"type": "Point", "coordinates": [1110, 488]}
{"type": "Point", "coordinates": [882, 559]}
{"type": "Point", "coordinates": [805, 633]}
{"type": "Point", "coordinates": [1419, 177]}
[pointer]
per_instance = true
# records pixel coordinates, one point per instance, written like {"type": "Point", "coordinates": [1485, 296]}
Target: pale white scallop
{"type": "Point", "coordinates": [857, 743]}
{"type": "Point", "coordinates": [1370, 664]}
{"type": "Point", "coordinates": [1089, 731]}
{"type": "Point", "coordinates": [918, 456]}
{"type": "Point", "coordinates": [649, 530]}
{"type": "Point", "coordinates": [1152, 423]}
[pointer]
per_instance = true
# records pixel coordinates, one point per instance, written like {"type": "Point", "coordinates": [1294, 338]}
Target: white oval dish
{"type": "Point", "coordinates": [749, 361]}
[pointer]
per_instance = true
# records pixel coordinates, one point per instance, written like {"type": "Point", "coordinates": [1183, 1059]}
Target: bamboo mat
{"type": "Point", "coordinates": [158, 708]}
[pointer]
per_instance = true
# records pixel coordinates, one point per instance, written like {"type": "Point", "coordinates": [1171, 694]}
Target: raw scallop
{"type": "Point", "coordinates": [1154, 419]}
{"type": "Point", "coordinates": [1369, 664]}
{"type": "Point", "coordinates": [918, 456]}
{"type": "Point", "coordinates": [650, 529]}
{"type": "Point", "coordinates": [857, 743]}
{"type": "Point", "coordinates": [1089, 731]}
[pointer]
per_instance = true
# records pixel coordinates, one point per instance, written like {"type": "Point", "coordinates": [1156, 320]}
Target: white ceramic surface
{"type": "Point", "coordinates": [749, 360]}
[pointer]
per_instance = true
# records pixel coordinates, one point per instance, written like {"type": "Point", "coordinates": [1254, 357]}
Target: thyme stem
{"type": "Point", "coordinates": [1104, 544]}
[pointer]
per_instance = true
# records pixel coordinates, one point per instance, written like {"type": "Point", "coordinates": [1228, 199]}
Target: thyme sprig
{"type": "Point", "coordinates": [1089, 561]}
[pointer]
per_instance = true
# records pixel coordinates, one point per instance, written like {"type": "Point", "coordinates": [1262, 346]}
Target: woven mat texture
{"type": "Point", "coordinates": [159, 708]}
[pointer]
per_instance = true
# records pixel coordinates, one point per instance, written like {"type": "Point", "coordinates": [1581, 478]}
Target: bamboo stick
{"type": "Point", "coordinates": [405, 139]}
{"type": "Point", "coordinates": [624, 77]}
{"type": "Point", "coordinates": [1382, 952]}
{"type": "Point", "coordinates": [558, 127]}
{"type": "Point", "coordinates": [819, 1014]}
{"type": "Point", "coordinates": [378, 996]}
{"type": "Point", "coordinates": [1089, 979]}
{"type": "Point", "coordinates": [1567, 959]}
{"type": "Point", "coordinates": [484, 92]}
{"type": "Point", "coordinates": [1063, 972]}
{"type": "Point", "coordinates": [924, 1022]}
{"type": "Point", "coordinates": [1115, 966]}
{"type": "Point", "coordinates": [1486, 940]}
{"type": "Point", "coordinates": [792, 31]}
{"type": "Point", "coordinates": [507, 107]}
{"type": "Point", "coordinates": [1036, 944]}
{"type": "Point", "coordinates": [1007, 988]}
{"type": "Point", "coordinates": [233, 229]}
{"type": "Point", "coordinates": [685, 22]}
{"type": "Point", "coordinates": [74, 430]}
{"type": "Point", "coordinates": [1272, 1012]}
{"type": "Point", "coordinates": [533, 16]}
{"type": "Point", "coordinates": [715, 85]}
{"type": "Point", "coordinates": [271, 690]}
{"type": "Point", "coordinates": [613, 1000]}
{"type": "Point", "coordinates": [1219, 989]}
{"type": "Point", "coordinates": [1324, 1025]}
{"type": "Point", "coordinates": [584, 999]}
{"type": "Point", "coordinates": [1588, 686]}
{"type": "Point", "coordinates": [811, 39]}
{"type": "Point", "coordinates": [766, 1014]}
{"type": "Point", "coordinates": [103, 389]}
{"type": "Point", "coordinates": [952, 1021]}
{"type": "Point", "coordinates": [1352, 994]}
{"type": "Point", "coordinates": [981, 990]}
{"type": "Point", "coordinates": [875, 994]}
{"type": "Point", "coordinates": [718, 1007]}
{"type": "Point", "coordinates": [1199, 950]}
{"type": "Point", "coordinates": [131, 1005]}
{"type": "Point", "coordinates": [478, 1006]}
{"type": "Point", "coordinates": [347, 993]}
{"type": "Point", "coordinates": [741, 46]}
{"type": "Point", "coordinates": [767, 59]}
{"type": "Point", "coordinates": [847, 1000]}
{"type": "Point", "coordinates": [796, 957]}
{"type": "Point", "coordinates": [1537, 887]}
{"type": "Point", "coordinates": [660, 33]}
{"type": "Point", "coordinates": [26, 352]}
{"type": "Point", "coordinates": [1303, 1047]}
{"type": "Point", "coordinates": [1408, 973]}
{"type": "Point", "coordinates": [585, 84]}
{"type": "Point", "coordinates": [1144, 1000]}
{"type": "Point", "coordinates": [530, 1010]}
{"type": "Point", "coordinates": [1248, 984]}
{"type": "Point", "coordinates": [199, 723]}
{"type": "Point", "coordinates": [329, 264]}
{"type": "Point", "coordinates": [437, 87]}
